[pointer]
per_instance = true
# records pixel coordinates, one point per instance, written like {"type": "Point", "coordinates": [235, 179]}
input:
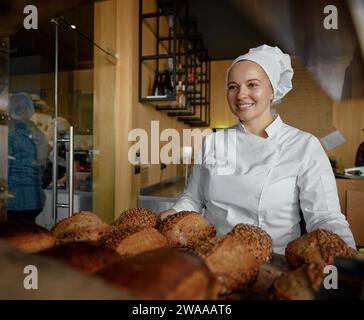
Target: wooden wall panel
{"type": "Point", "coordinates": [104, 124]}
{"type": "Point", "coordinates": [355, 214]}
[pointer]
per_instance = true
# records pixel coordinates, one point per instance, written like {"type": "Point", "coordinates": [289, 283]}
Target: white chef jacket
{"type": "Point", "coordinates": [243, 178]}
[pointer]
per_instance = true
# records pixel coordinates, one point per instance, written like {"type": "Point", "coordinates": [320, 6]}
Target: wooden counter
{"type": "Point", "coordinates": [351, 196]}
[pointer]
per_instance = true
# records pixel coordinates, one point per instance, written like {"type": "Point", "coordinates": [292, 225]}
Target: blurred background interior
{"type": "Point", "coordinates": [99, 84]}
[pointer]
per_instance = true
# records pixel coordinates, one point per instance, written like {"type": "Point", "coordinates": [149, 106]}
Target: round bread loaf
{"type": "Point", "coordinates": [26, 236]}
{"type": "Point", "coordinates": [255, 239]}
{"type": "Point", "coordinates": [300, 284]}
{"type": "Point", "coordinates": [318, 247]}
{"type": "Point", "coordinates": [234, 266]}
{"type": "Point", "coordinates": [84, 256]}
{"type": "Point", "coordinates": [82, 226]}
{"type": "Point", "coordinates": [132, 241]}
{"type": "Point", "coordinates": [165, 273]}
{"type": "Point", "coordinates": [185, 229]}
{"type": "Point", "coordinates": [136, 218]}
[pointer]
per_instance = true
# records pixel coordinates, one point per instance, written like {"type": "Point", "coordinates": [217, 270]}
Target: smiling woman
{"type": "Point", "coordinates": [275, 171]}
{"type": "Point", "coordinates": [249, 94]}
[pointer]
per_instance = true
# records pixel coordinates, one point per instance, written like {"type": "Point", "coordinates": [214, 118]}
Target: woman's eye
{"type": "Point", "coordinates": [232, 87]}
{"type": "Point", "coordinates": [253, 85]}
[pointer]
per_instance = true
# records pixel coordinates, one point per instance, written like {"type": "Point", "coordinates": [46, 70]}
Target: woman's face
{"type": "Point", "coordinates": [249, 92]}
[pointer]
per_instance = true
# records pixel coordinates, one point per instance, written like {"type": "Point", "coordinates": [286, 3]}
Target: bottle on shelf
{"type": "Point", "coordinates": [168, 89]}
{"type": "Point", "coordinates": [181, 94]}
{"type": "Point", "coordinates": [155, 84]}
{"type": "Point", "coordinates": [160, 91]}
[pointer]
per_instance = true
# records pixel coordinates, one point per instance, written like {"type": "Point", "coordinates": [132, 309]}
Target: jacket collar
{"type": "Point", "coordinates": [273, 128]}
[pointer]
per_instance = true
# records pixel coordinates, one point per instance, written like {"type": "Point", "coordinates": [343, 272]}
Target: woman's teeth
{"type": "Point", "coordinates": [244, 106]}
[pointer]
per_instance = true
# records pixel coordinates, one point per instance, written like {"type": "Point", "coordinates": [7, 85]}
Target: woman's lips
{"type": "Point", "coordinates": [244, 106]}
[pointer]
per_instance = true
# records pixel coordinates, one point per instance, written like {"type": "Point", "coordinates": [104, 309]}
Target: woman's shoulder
{"type": "Point", "coordinates": [298, 135]}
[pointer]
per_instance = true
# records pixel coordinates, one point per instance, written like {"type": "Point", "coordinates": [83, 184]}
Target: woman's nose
{"type": "Point", "coordinates": [243, 92]}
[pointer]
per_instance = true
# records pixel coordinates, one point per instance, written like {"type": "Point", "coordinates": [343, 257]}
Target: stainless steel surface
{"type": "Point", "coordinates": [70, 173]}
{"type": "Point", "coordinates": [161, 196]}
{"type": "Point", "coordinates": [55, 127]}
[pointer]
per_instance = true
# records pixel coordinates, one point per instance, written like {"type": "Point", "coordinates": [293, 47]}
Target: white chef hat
{"type": "Point", "coordinates": [275, 63]}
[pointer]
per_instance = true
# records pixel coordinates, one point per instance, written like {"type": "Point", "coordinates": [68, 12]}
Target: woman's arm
{"type": "Point", "coordinates": [192, 198]}
{"type": "Point", "coordinates": [318, 194]}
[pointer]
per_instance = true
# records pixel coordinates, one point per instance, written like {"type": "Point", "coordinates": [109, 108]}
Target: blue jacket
{"type": "Point", "coordinates": [26, 153]}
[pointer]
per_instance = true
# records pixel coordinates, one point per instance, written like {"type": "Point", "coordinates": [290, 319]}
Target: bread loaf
{"type": "Point", "coordinates": [255, 239]}
{"type": "Point", "coordinates": [136, 218]}
{"type": "Point", "coordinates": [82, 226]}
{"type": "Point", "coordinates": [185, 229]}
{"type": "Point", "coordinates": [132, 241]}
{"type": "Point", "coordinates": [165, 273]}
{"type": "Point", "coordinates": [84, 256]}
{"type": "Point", "coordinates": [26, 235]}
{"type": "Point", "coordinates": [318, 247]}
{"type": "Point", "coordinates": [300, 284]}
{"type": "Point", "coordinates": [232, 264]}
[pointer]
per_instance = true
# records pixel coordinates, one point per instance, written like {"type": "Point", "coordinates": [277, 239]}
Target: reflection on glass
{"type": "Point", "coordinates": [81, 64]}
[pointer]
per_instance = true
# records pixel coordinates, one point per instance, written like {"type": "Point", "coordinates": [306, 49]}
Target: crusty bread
{"type": "Point", "coordinates": [26, 235]}
{"type": "Point", "coordinates": [165, 273]}
{"type": "Point", "coordinates": [255, 239]}
{"type": "Point", "coordinates": [233, 265]}
{"type": "Point", "coordinates": [185, 229]}
{"type": "Point", "coordinates": [84, 256]}
{"type": "Point", "coordinates": [136, 218]}
{"type": "Point", "coordinates": [132, 241]}
{"type": "Point", "coordinates": [319, 247]}
{"type": "Point", "coordinates": [300, 284]}
{"type": "Point", "coordinates": [82, 226]}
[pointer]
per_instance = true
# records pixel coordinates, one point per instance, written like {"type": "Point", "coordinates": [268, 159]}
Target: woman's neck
{"type": "Point", "coordinates": [258, 126]}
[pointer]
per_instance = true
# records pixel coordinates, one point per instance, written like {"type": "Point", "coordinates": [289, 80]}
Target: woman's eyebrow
{"type": "Point", "coordinates": [254, 80]}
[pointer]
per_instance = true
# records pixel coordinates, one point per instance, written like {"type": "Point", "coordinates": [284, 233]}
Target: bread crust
{"type": "Point", "coordinates": [82, 226]}
{"type": "Point", "coordinates": [165, 273]}
{"type": "Point", "coordinates": [186, 229]}
{"type": "Point", "coordinates": [85, 256]}
{"type": "Point", "coordinates": [258, 241]}
{"type": "Point", "coordinates": [233, 265]}
{"type": "Point", "coordinates": [318, 247]}
{"type": "Point", "coordinates": [26, 236]}
{"type": "Point", "coordinates": [300, 284]}
{"type": "Point", "coordinates": [132, 241]}
{"type": "Point", "coordinates": [136, 218]}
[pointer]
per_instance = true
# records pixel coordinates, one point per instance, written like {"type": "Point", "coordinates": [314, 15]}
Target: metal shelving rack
{"type": "Point", "coordinates": [185, 48]}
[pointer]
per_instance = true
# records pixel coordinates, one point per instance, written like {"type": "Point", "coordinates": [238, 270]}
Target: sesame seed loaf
{"type": "Point", "coordinates": [185, 229]}
{"type": "Point", "coordinates": [82, 226]}
{"type": "Point", "coordinates": [233, 265]}
{"type": "Point", "coordinates": [319, 247]}
{"type": "Point", "coordinates": [255, 239]}
{"type": "Point", "coordinates": [136, 218]}
{"type": "Point", "coordinates": [132, 241]}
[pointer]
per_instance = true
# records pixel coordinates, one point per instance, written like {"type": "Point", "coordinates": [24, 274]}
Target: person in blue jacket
{"type": "Point", "coordinates": [27, 155]}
